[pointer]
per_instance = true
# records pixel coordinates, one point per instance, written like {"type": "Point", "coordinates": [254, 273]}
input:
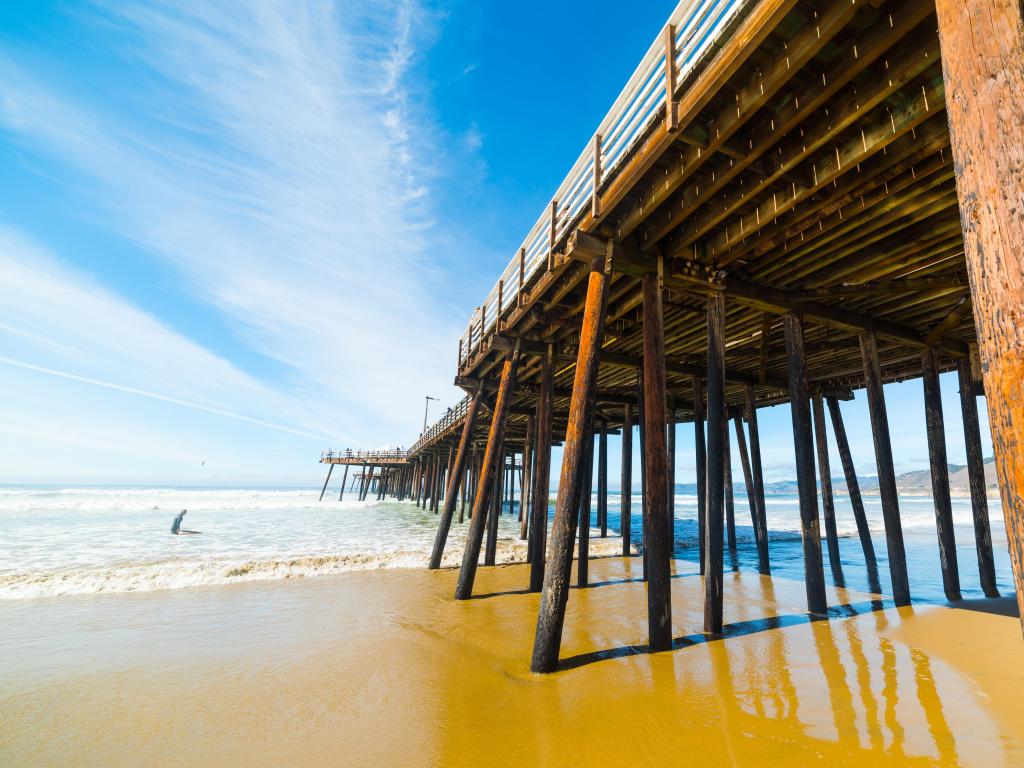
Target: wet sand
{"type": "Point", "coordinates": [385, 668]}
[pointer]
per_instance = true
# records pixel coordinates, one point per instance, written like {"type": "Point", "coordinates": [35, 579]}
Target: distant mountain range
{"type": "Point", "coordinates": [918, 481]}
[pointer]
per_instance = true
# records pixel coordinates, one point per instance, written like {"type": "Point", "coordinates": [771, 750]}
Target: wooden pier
{"type": "Point", "coordinates": [789, 202]}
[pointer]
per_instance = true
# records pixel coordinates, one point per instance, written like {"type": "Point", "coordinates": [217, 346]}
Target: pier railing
{"type": "Point", "coordinates": [691, 31]}
{"type": "Point", "coordinates": [369, 456]}
{"type": "Point", "coordinates": [453, 418]}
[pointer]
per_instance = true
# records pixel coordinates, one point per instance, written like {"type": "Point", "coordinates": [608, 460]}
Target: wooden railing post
{"type": "Point", "coordinates": [552, 235]}
{"type": "Point", "coordinates": [522, 277]}
{"type": "Point", "coordinates": [595, 198]}
{"type": "Point", "coordinates": [501, 296]}
{"type": "Point", "coordinates": [671, 77]}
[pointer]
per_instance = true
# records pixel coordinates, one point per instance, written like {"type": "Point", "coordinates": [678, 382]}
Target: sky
{"type": "Point", "coordinates": [234, 234]}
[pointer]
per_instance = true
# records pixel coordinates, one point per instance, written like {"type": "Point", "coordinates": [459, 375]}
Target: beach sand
{"type": "Point", "coordinates": [385, 668]}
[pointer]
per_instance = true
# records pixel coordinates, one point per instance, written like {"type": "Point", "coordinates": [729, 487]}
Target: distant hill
{"type": "Point", "coordinates": [918, 481]}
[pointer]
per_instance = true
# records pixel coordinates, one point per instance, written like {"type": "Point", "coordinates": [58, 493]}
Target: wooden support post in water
{"type": "Point", "coordinates": [448, 473]}
{"type": "Point", "coordinates": [670, 478]}
{"type": "Point", "coordinates": [757, 477]}
{"type": "Point", "coordinates": [438, 480]}
{"type": "Point", "coordinates": [810, 533]}
{"type": "Point", "coordinates": [626, 481]}
{"type": "Point", "coordinates": [456, 479]}
{"type": "Point", "coordinates": [525, 485]}
{"type": "Point", "coordinates": [983, 68]}
{"type": "Point", "coordinates": [702, 466]}
{"type": "Point", "coordinates": [493, 516]}
{"type": "Point", "coordinates": [717, 432]}
{"type": "Point", "coordinates": [886, 471]}
{"type": "Point", "coordinates": [602, 480]}
{"type": "Point", "coordinates": [730, 502]}
{"type": "Point", "coordinates": [467, 478]}
{"type": "Point", "coordinates": [748, 480]}
{"type": "Point", "coordinates": [828, 504]}
{"type": "Point", "coordinates": [583, 557]}
{"type": "Point", "coordinates": [852, 484]}
{"type": "Point", "coordinates": [555, 592]}
{"type": "Point", "coordinates": [541, 475]}
{"type": "Point", "coordinates": [939, 465]}
{"type": "Point", "coordinates": [364, 479]}
{"type": "Point", "coordinates": [491, 467]}
{"type": "Point", "coordinates": [976, 479]}
{"type": "Point", "coordinates": [344, 479]}
{"type": "Point", "coordinates": [330, 468]}
{"type": "Point", "coordinates": [643, 464]}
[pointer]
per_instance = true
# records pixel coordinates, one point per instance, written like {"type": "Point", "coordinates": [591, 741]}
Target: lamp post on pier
{"type": "Point", "coordinates": [426, 407]}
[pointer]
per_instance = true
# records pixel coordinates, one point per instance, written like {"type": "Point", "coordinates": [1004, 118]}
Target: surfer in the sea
{"type": "Point", "coordinates": [176, 528]}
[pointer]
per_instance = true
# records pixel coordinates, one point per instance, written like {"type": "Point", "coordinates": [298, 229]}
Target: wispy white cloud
{"type": "Point", "coordinates": [276, 156]}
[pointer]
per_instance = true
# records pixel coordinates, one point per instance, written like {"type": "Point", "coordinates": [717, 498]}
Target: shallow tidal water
{"type": "Point", "coordinates": [102, 540]}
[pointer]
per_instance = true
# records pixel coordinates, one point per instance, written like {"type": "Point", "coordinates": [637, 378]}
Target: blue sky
{"type": "Point", "coordinates": [242, 232]}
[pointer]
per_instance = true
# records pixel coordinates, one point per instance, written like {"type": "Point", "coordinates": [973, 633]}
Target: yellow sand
{"type": "Point", "coordinates": [385, 668]}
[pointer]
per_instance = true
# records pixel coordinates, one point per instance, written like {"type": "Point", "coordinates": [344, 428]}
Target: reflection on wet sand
{"type": "Point", "coordinates": [385, 668]}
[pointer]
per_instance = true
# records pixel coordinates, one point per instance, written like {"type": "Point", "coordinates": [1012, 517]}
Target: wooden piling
{"type": "Point", "coordinates": [852, 484]}
{"type": "Point", "coordinates": [886, 471]}
{"type": "Point", "coordinates": [814, 577]}
{"type": "Point", "coordinates": [657, 537]}
{"type": "Point", "coordinates": [344, 479]}
{"type": "Point", "coordinates": [583, 554]}
{"type": "Point", "coordinates": [670, 474]}
{"type": "Point", "coordinates": [828, 505]}
{"type": "Point", "coordinates": [716, 447]}
{"type": "Point", "coordinates": [643, 464]}
{"type": "Point", "coordinates": [983, 68]}
{"type": "Point", "coordinates": [626, 480]}
{"type": "Point", "coordinates": [330, 468]}
{"type": "Point", "coordinates": [435, 491]}
{"type": "Point", "coordinates": [541, 475]}
{"type": "Point", "coordinates": [555, 592]}
{"type": "Point", "coordinates": [730, 502]}
{"type": "Point", "coordinates": [939, 466]}
{"type": "Point", "coordinates": [702, 467]}
{"type": "Point", "coordinates": [457, 478]}
{"type": "Point", "coordinates": [748, 480]}
{"type": "Point", "coordinates": [602, 480]}
{"type": "Point", "coordinates": [526, 484]}
{"type": "Point", "coordinates": [491, 466]}
{"type": "Point", "coordinates": [976, 479]}
{"type": "Point", "coordinates": [494, 516]}
{"type": "Point", "coordinates": [757, 477]}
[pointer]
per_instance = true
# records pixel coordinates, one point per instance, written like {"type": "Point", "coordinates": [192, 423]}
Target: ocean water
{"type": "Point", "coordinates": [93, 540]}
